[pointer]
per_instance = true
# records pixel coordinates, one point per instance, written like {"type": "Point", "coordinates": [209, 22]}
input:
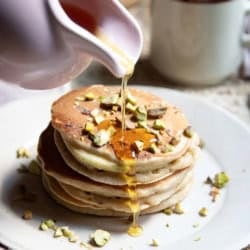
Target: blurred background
{"type": "Point", "coordinates": [232, 94]}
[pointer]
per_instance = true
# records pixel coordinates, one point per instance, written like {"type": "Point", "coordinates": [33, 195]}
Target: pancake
{"type": "Point", "coordinates": [53, 165]}
{"type": "Point", "coordinates": [149, 174]}
{"type": "Point", "coordinates": [70, 120]}
{"type": "Point", "coordinates": [91, 166]}
{"type": "Point", "coordinates": [73, 204]}
{"type": "Point", "coordinates": [142, 190]}
{"type": "Point", "coordinates": [120, 204]}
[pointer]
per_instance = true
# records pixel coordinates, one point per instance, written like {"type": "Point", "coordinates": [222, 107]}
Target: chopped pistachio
{"type": "Point", "coordinates": [80, 98]}
{"type": "Point", "coordinates": [98, 118]}
{"type": "Point", "coordinates": [167, 148]}
{"type": "Point", "coordinates": [156, 112]}
{"type": "Point", "coordinates": [100, 237]}
{"type": "Point", "coordinates": [220, 180]}
{"type": "Point", "coordinates": [196, 225]}
{"type": "Point", "coordinates": [142, 124]}
{"type": "Point", "coordinates": [27, 215]}
{"type": "Point", "coordinates": [34, 168]}
{"type": "Point", "coordinates": [89, 96]}
{"type": "Point", "coordinates": [130, 107]}
{"type": "Point", "coordinates": [167, 225]}
{"type": "Point", "coordinates": [110, 101]}
{"type": "Point", "coordinates": [43, 227]}
{"type": "Point", "coordinates": [101, 138]}
{"type": "Point", "coordinates": [89, 126]}
{"type": "Point", "coordinates": [168, 211]}
{"type": "Point", "coordinates": [188, 132]}
{"type": "Point", "coordinates": [85, 245]}
{"type": "Point", "coordinates": [50, 224]}
{"type": "Point", "coordinates": [174, 141]}
{"type": "Point", "coordinates": [66, 232]}
{"type": "Point", "coordinates": [141, 113]}
{"type": "Point", "coordinates": [130, 98]}
{"type": "Point", "coordinates": [178, 209]}
{"type": "Point", "coordinates": [73, 238]}
{"type": "Point", "coordinates": [197, 239]}
{"type": "Point", "coordinates": [22, 153]}
{"type": "Point", "coordinates": [58, 233]}
{"type": "Point", "coordinates": [153, 148]}
{"type": "Point", "coordinates": [203, 212]}
{"type": "Point", "coordinates": [159, 124]}
{"type": "Point", "coordinates": [138, 145]}
{"type": "Point", "coordinates": [154, 243]}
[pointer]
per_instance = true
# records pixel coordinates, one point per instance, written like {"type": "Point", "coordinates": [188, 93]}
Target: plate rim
{"type": "Point", "coordinates": [15, 245]}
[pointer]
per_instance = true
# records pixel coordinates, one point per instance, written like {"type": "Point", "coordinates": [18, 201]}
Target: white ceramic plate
{"type": "Point", "coordinates": [227, 225]}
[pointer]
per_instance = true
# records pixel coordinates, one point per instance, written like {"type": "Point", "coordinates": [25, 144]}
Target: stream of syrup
{"type": "Point", "coordinates": [123, 139]}
{"type": "Point", "coordinates": [135, 229]}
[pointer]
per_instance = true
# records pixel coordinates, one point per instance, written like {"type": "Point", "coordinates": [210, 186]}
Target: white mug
{"type": "Point", "coordinates": [198, 43]}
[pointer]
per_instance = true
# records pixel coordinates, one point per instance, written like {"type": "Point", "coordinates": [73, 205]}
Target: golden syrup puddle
{"type": "Point", "coordinates": [123, 147]}
{"type": "Point", "coordinates": [123, 139]}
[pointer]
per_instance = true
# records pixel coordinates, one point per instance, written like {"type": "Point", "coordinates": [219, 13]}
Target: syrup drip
{"type": "Point", "coordinates": [135, 229]}
{"type": "Point", "coordinates": [122, 143]}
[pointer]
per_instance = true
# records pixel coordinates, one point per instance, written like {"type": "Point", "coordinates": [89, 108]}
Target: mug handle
{"type": "Point", "coordinates": [246, 35]}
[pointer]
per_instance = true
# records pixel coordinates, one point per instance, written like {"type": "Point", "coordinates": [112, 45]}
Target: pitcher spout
{"type": "Point", "coordinates": [104, 30]}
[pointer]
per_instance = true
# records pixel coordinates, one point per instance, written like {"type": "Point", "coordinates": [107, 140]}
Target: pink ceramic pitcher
{"type": "Point", "coordinates": [43, 47]}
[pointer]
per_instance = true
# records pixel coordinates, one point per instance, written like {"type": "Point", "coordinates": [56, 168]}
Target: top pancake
{"type": "Point", "coordinates": [70, 114]}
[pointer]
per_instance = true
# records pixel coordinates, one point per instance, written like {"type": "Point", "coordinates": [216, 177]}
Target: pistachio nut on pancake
{"type": "Point", "coordinates": [89, 163]}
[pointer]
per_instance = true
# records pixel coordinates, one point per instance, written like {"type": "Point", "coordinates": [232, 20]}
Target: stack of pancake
{"type": "Point", "coordinates": [88, 163]}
